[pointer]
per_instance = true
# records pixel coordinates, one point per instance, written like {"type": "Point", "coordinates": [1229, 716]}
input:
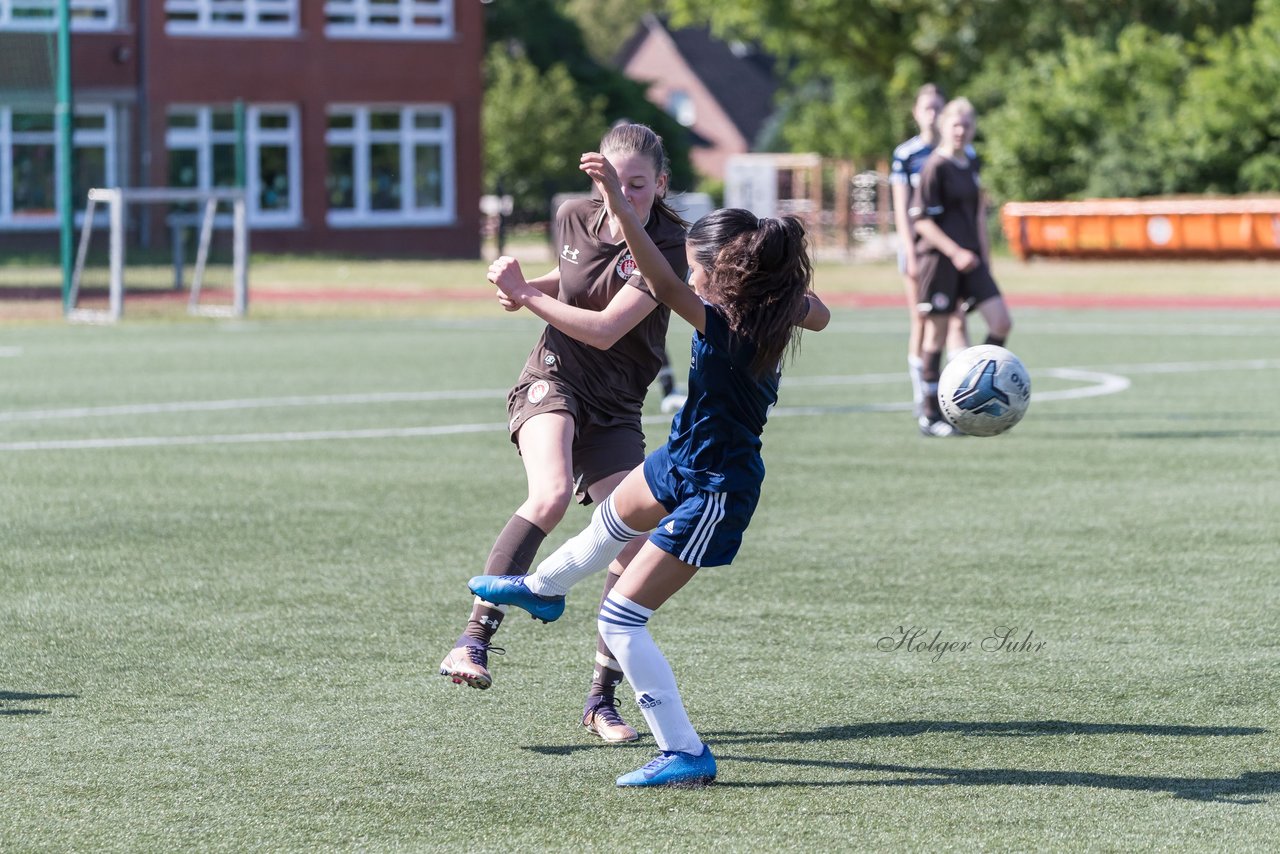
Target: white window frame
{"type": "Point", "coordinates": [104, 137]}
{"type": "Point", "coordinates": [360, 138]}
{"type": "Point", "coordinates": [365, 25]}
{"type": "Point", "coordinates": [96, 15]}
{"type": "Point", "coordinates": [203, 137]}
{"type": "Point", "coordinates": [253, 24]}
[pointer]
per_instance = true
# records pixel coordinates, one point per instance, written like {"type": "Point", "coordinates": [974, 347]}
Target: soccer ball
{"type": "Point", "coordinates": [984, 390]}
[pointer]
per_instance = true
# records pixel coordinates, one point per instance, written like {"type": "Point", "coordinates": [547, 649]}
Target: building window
{"type": "Point", "coordinates": [201, 142]}
{"type": "Point", "coordinates": [28, 162]}
{"type": "Point", "coordinates": [43, 14]}
{"type": "Point", "coordinates": [393, 19]}
{"type": "Point", "coordinates": [390, 166]}
{"type": "Point", "coordinates": [231, 17]}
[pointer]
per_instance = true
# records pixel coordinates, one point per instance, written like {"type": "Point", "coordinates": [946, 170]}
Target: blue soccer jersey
{"type": "Point", "coordinates": [715, 438]}
{"type": "Point", "coordinates": [909, 158]}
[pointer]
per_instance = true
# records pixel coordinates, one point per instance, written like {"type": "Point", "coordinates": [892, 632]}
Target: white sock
{"type": "Point", "coordinates": [590, 551]}
{"type": "Point", "coordinates": [914, 366]}
{"type": "Point", "coordinates": [624, 626]}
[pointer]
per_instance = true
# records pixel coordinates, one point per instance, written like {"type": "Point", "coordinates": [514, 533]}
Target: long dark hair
{"type": "Point", "coordinates": [627, 138]}
{"type": "Point", "coordinates": [759, 275]}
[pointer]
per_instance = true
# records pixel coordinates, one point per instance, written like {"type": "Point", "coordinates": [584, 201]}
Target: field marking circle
{"type": "Point", "coordinates": [1095, 383]}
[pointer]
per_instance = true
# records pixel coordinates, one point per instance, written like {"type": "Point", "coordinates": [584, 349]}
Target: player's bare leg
{"type": "Point", "coordinates": [915, 336]}
{"type": "Point", "coordinates": [932, 424]}
{"type": "Point", "coordinates": [546, 444]}
{"type": "Point", "coordinates": [957, 334]}
{"type": "Point", "coordinates": [999, 324]}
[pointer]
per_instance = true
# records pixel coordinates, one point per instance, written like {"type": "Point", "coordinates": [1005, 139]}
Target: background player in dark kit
{"type": "Point", "coordinates": [955, 272]}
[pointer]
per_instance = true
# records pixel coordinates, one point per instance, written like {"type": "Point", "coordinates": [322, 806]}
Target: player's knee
{"type": "Point", "coordinates": [548, 502]}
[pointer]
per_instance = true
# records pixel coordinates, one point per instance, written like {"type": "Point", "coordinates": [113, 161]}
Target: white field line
{"type": "Point", "coordinates": [1101, 384]}
{"type": "Point", "coordinates": [10, 352]}
{"type": "Point", "coordinates": [1097, 382]}
{"type": "Point", "coordinates": [246, 438]}
{"type": "Point", "coordinates": [249, 403]}
{"type": "Point", "coordinates": [1032, 325]}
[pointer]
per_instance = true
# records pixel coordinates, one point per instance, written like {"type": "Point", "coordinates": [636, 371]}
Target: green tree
{"type": "Point", "coordinates": [534, 123]}
{"type": "Point", "coordinates": [1090, 120]}
{"type": "Point", "coordinates": [856, 63]}
{"type": "Point", "coordinates": [545, 38]}
{"type": "Point", "coordinates": [607, 24]}
{"type": "Point", "coordinates": [1229, 121]}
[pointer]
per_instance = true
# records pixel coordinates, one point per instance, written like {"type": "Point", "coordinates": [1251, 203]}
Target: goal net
{"type": "Point", "coordinates": [207, 204]}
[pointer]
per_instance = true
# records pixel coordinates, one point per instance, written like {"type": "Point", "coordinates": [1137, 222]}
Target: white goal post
{"type": "Point", "coordinates": [116, 199]}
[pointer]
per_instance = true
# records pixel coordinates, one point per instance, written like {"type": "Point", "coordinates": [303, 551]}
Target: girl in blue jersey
{"type": "Point", "coordinates": [695, 496]}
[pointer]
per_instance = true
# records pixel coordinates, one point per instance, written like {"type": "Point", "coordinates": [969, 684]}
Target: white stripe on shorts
{"type": "Point", "coordinates": [696, 549]}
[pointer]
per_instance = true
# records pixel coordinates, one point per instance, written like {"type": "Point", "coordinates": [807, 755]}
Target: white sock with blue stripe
{"type": "Point", "coordinates": [590, 551]}
{"type": "Point", "coordinates": [624, 626]}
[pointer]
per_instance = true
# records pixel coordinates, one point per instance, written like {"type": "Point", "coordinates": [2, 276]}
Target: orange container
{"type": "Point", "coordinates": [1145, 228]}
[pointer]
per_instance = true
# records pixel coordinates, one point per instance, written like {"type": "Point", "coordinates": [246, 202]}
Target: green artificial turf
{"type": "Point", "coordinates": [232, 555]}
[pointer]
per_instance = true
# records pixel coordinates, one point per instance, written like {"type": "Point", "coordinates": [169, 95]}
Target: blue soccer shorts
{"type": "Point", "coordinates": [701, 528]}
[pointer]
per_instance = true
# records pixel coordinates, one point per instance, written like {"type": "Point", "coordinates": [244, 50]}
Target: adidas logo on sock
{"type": "Point", "coordinates": [644, 701]}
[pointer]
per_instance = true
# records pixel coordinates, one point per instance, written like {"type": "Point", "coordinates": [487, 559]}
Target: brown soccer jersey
{"type": "Point", "coordinates": [610, 384]}
{"type": "Point", "coordinates": [948, 194]}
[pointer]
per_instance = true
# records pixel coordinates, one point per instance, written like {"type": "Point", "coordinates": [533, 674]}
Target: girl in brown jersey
{"type": "Point", "coordinates": [575, 410]}
{"type": "Point", "coordinates": [955, 261]}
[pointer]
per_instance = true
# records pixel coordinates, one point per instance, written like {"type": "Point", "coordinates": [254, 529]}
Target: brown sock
{"type": "Point", "coordinates": [608, 673]}
{"type": "Point", "coordinates": [929, 373]}
{"type": "Point", "coordinates": [994, 339]}
{"type": "Point", "coordinates": [512, 554]}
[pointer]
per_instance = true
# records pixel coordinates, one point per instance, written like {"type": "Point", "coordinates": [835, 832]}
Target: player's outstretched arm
{"type": "Point", "coordinates": [599, 329]}
{"type": "Point", "coordinates": [653, 265]}
{"type": "Point", "coordinates": [549, 284]}
{"type": "Point", "coordinates": [817, 315]}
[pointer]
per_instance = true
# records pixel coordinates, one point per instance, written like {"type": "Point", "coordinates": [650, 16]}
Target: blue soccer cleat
{"type": "Point", "coordinates": [673, 768]}
{"type": "Point", "coordinates": [511, 590]}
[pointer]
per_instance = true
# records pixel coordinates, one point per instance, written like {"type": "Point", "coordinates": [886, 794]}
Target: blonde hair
{"type": "Point", "coordinates": [957, 105]}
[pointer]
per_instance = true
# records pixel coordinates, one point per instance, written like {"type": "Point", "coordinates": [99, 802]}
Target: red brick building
{"type": "Point", "coordinates": [362, 117]}
{"type": "Point", "coordinates": [723, 92]}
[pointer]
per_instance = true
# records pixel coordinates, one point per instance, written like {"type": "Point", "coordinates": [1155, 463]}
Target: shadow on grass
{"type": "Point", "coordinates": [1248, 788]}
{"type": "Point", "coordinates": [1018, 729]}
{"type": "Point", "coordinates": [19, 696]}
{"type": "Point", "coordinates": [1163, 435]}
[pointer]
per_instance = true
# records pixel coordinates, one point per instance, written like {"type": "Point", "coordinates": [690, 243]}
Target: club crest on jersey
{"type": "Point", "coordinates": [570, 255]}
{"type": "Point", "coordinates": [538, 391]}
{"type": "Point", "coordinates": [626, 266]}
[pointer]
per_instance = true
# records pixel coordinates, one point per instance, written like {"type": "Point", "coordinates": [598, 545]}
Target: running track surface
{"type": "Point", "coordinates": [844, 300]}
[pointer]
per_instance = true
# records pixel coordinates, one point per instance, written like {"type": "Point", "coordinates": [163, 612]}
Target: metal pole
{"type": "Point", "coordinates": [240, 256]}
{"type": "Point", "coordinates": [241, 160]}
{"type": "Point", "coordinates": [116, 297]}
{"type": "Point", "coordinates": [66, 138]}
